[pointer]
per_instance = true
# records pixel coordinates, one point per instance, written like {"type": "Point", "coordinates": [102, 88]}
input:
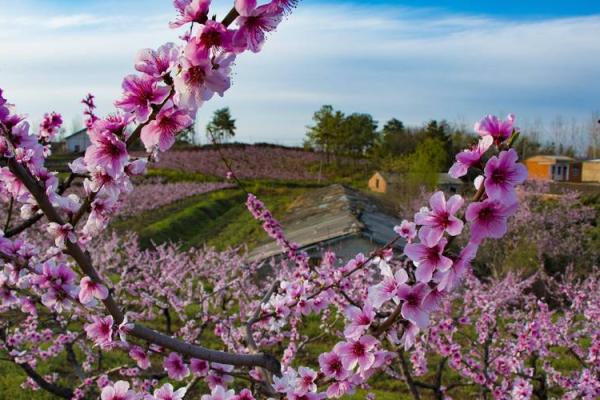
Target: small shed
{"type": "Point", "coordinates": [379, 183]}
{"type": "Point", "coordinates": [553, 168]}
{"type": "Point", "coordinates": [335, 218]}
{"type": "Point", "coordinates": [590, 171]}
{"type": "Point", "coordinates": [77, 142]}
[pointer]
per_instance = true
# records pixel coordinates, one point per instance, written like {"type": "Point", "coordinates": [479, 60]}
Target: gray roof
{"type": "Point", "coordinates": [329, 214]}
{"type": "Point", "coordinates": [443, 178]}
{"type": "Point", "coordinates": [79, 132]}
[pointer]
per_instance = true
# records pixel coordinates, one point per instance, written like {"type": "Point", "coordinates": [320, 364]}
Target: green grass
{"type": "Point", "coordinates": [219, 219]}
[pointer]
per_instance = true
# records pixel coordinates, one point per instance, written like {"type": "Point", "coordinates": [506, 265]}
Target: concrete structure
{"type": "Point", "coordinates": [335, 218]}
{"type": "Point", "coordinates": [553, 168]}
{"type": "Point", "coordinates": [77, 142]}
{"type": "Point", "coordinates": [382, 182]}
{"type": "Point", "coordinates": [591, 171]}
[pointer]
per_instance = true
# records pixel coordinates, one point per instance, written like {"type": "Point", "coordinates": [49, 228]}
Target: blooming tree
{"type": "Point", "coordinates": [69, 291]}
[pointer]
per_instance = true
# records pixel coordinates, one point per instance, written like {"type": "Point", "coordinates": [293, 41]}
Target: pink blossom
{"type": "Point", "coordinates": [166, 393]}
{"type": "Point", "coordinates": [495, 127]}
{"type": "Point", "coordinates": [118, 391]}
{"type": "Point", "coordinates": [388, 287]}
{"type": "Point", "coordinates": [306, 380]}
{"type": "Point", "coordinates": [427, 258]}
{"type": "Point", "coordinates": [199, 367]}
{"type": "Point", "coordinates": [13, 185]}
{"type": "Point", "coordinates": [470, 157]}
{"type": "Point", "coordinates": [50, 126]}
{"type": "Point", "coordinates": [285, 5]}
{"type": "Point", "coordinates": [488, 219]}
{"type": "Point", "coordinates": [214, 36]}
{"type": "Point", "coordinates": [217, 376]}
{"type": "Point", "coordinates": [358, 353]}
{"type": "Point", "coordinates": [90, 290]}
{"type": "Point", "coordinates": [287, 382]}
{"type": "Point", "coordinates": [244, 395]}
{"type": "Point", "coordinates": [157, 63]}
{"type": "Point", "coordinates": [522, 390]}
{"type": "Point", "coordinates": [100, 330]}
{"type": "Point", "coordinates": [136, 167]}
{"type": "Point", "coordinates": [502, 174]}
{"type": "Point", "coordinates": [306, 396]}
{"type": "Point", "coordinates": [201, 76]}
{"type": "Point", "coordinates": [219, 393]}
{"type": "Point", "coordinates": [175, 367]}
{"type": "Point", "coordinates": [107, 151]}
{"type": "Point", "coordinates": [61, 233]}
{"type": "Point", "coordinates": [449, 279]}
{"type": "Point", "coordinates": [407, 230]}
{"type": "Point", "coordinates": [139, 94]}
{"type": "Point", "coordinates": [413, 308]}
{"type": "Point", "coordinates": [339, 389]}
{"type": "Point", "coordinates": [331, 365]}
{"type": "Point", "coordinates": [254, 22]}
{"type": "Point", "coordinates": [190, 11]}
{"type": "Point", "coordinates": [125, 327]}
{"type": "Point", "coordinates": [161, 132]}
{"type": "Point", "coordinates": [360, 320]}
{"type": "Point", "coordinates": [140, 357]}
{"type": "Point", "coordinates": [90, 106]}
{"type": "Point", "coordinates": [441, 218]}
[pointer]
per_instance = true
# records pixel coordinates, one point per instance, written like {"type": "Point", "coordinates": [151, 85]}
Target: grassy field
{"type": "Point", "coordinates": [219, 219]}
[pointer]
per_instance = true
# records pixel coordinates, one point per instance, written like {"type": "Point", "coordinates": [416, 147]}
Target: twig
{"type": "Point", "coordinates": [10, 211]}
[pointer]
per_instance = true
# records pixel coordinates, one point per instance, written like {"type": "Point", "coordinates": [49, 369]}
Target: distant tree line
{"type": "Point", "coordinates": [430, 147]}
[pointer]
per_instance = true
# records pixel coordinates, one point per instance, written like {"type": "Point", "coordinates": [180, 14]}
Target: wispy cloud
{"type": "Point", "coordinates": [413, 64]}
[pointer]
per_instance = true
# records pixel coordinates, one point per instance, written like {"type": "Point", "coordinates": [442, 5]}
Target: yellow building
{"type": "Point", "coordinates": [378, 183]}
{"type": "Point", "coordinates": [591, 171]}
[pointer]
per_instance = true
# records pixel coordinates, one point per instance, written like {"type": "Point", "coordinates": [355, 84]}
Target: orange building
{"type": "Point", "coordinates": [553, 168]}
{"type": "Point", "coordinates": [378, 183]}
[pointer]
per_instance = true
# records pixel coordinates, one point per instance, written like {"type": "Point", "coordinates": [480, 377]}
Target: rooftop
{"type": "Point", "coordinates": [549, 158]}
{"type": "Point", "coordinates": [77, 133]}
{"type": "Point", "coordinates": [443, 178]}
{"type": "Point", "coordinates": [331, 213]}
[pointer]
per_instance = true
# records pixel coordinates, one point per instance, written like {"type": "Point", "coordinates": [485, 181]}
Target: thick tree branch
{"type": "Point", "coordinates": [55, 389]}
{"type": "Point", "coordinates": [85, 263]}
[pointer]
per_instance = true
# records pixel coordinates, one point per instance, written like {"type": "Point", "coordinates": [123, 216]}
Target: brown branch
{"type": "Point", "coordinates": [84, 261]}
{"type": "Point", "coordinates": [10, 212]}
{"type": "Point", "coordinates": [230, 17]}
{"type": "Point", "coordinates": [50, 387]}
{"type": "Point", "coordinates": [412, 387]}
{"type": "Point", "coordinates": [38, 216]}
{"type": "Point", "coordinates": [55, 389]}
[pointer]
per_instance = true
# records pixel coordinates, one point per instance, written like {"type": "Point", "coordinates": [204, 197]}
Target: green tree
{"type": "Point", "coordinates": [359, 135]}
{"type": "Point", "coordinates": [325, 134]}
{"type": "Point", "coordinates": [424, 165]}
{"type": "Point", "coordinates": [222, 127]}
{"type": "Point", "coordinates": [187, 136]}
{"type": "Point", "coordinates": [396, 140]}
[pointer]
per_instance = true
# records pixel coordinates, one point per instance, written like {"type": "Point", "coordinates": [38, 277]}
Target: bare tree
{"type": "Point", "coordinates": [594, 135]}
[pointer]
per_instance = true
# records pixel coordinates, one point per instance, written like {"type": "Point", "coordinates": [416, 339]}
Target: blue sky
{"type": "Point", "coordinates": [413, 60]}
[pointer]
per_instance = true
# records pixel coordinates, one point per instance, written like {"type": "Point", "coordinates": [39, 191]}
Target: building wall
{"type": "Point", "coordinates": [591, 171]}
{"type": "Point", "coordinates": [378, 184]}
{"type": "Point", "coordinates": [538, 171]}
{"type": "Point", "coordinates": [575, 170]}
{"type": "Point", "coordinates": [78, 143]}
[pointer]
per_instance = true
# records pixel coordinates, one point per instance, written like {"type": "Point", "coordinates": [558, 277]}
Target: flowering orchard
{"type": "Point", "coordinates": [150, 196]}
{"type": "Point", "coordinates": [248, 162]}
{"type": "Point", "coordinates": [122, 323]}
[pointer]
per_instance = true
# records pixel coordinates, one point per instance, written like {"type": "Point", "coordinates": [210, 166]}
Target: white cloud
{"type": "Point", "coordinates": [390, 61]}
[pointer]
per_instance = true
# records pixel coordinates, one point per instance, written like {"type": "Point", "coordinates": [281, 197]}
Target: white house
{"type": "Point", "coordinates": [77, 142]}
